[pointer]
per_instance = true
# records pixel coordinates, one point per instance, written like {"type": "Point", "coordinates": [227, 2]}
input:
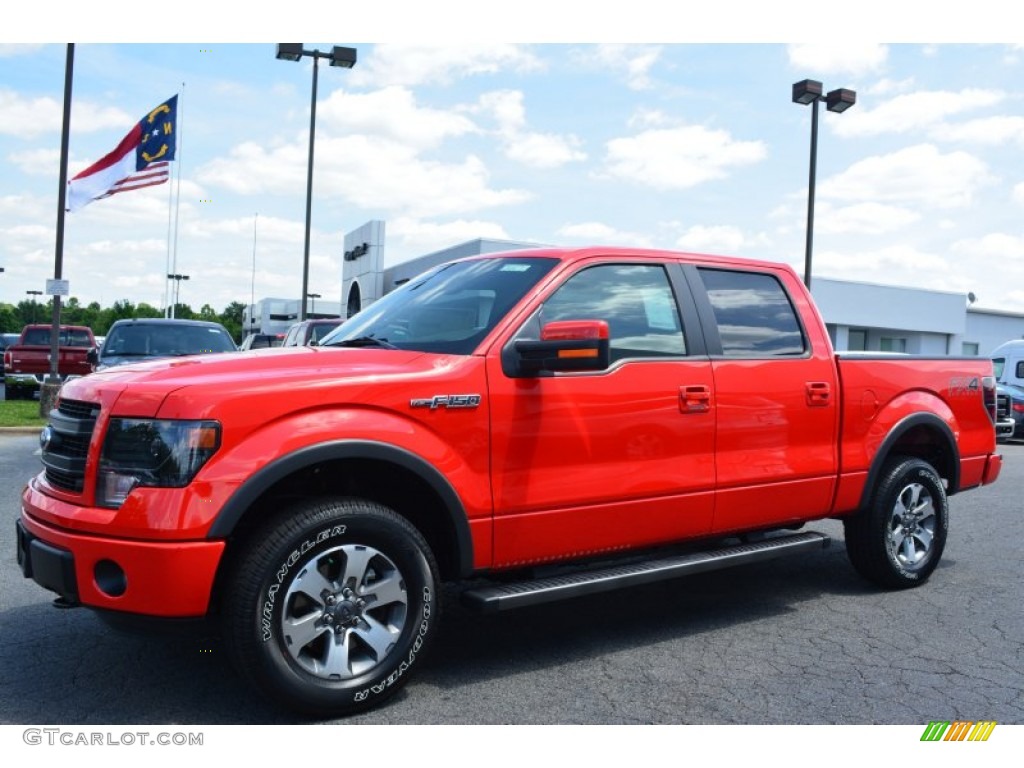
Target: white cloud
{"type": "Point", "coordinates": [894, 261]}
{"type": "Point", "coordinates": [28, 117]}
{"type": "Point", "coordinates": [631, 62]}
{"type": "Point", "coordinates": [713, 239]}
{"type": "Point", "coordinates": [409, 237]}
{"type": "Point", "coordinates": [919, 174]}
{"type": "Point", "coordinates": [990, 130]}
{"type": "Point", "coordinates": [863, 219]}
{"type": "Point", "coordinates": [37, 162]}
{"type": "Point", "coordinates": [390, 113]}
{"type": "Point", "coordinates": [1018, 193]}
{"type": "Point", "coordinates": [544, 150]}
{"type": "Point", "coordinates": [396, 64]}
{"type": "Point", "coordinates": [536, 150]}
{"type": "Point", "coordinates": [888, 88]}
{"type": "Point", "coordinates": [833, 59]}
{"type": "Point", "coordinates": [596, 232]}
{"type": "Point", "coordinates": [994, 248]}
{"type": "Point", "coordinates": [678, 158]}
{"type": "Point", "coordinates": [913, 111]}
{"type": "Point", "coordinates": [366, 172]}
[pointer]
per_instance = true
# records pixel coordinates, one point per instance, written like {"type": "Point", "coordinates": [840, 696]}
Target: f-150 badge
{"type": "Point", "coordinates": [446, 401]}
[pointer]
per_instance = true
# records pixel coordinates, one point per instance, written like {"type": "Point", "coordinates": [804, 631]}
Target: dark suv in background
{"type": "Point", "coordinates": [261, 341]}
{"type": "Point", "coordinates": [310, 331]}
{"type": "Point", "coordinates": [131, 341]}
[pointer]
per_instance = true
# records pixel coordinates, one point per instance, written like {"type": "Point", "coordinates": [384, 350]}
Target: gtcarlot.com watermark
{"type": "Point", "coordinates": [70, 737]}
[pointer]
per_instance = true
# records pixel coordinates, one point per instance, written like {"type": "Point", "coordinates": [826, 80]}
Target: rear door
{"type": "Point", "coordinates": [776, 398]}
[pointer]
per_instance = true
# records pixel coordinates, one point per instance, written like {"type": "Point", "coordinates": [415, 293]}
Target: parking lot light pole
{"type": "Point", "coordinates": [313, 297]}
{"type": "Point", "coordinates": [177, 289]}
{"type": "Point", "coordinates": [338, 57]}
{"type": "Point", "coordinates": [839, 100]}
{"type": "Point", "coordinates": [33, 294]}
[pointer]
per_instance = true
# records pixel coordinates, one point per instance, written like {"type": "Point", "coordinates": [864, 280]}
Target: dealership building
{"type": "Point", "coordinates": [859, 316]}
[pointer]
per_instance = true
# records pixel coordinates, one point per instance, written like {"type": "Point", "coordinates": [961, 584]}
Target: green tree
{"type": "Point", "coordinates": [232, 317]}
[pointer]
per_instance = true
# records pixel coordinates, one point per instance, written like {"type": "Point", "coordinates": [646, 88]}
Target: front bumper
{"type": "Point", "coordinates": [170, 579]}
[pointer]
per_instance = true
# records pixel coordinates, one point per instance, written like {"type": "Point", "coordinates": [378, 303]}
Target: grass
{"type": "Point", "coordinates": [20, 413]}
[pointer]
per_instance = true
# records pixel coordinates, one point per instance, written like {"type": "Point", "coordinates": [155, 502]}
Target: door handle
{"type": "Point", "coordinates": [819, 394]}
{"type": "Point", "coordinates": [695, 398]}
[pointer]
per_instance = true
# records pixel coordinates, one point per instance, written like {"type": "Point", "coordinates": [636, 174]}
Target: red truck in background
{"type": "Point", "coordinates": [626, 415]}
{"type": "Point", "coordinates": [27, 361]}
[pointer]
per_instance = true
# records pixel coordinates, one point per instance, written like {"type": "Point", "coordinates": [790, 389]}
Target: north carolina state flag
{"type": "Point", "coordinates": [141, 160]}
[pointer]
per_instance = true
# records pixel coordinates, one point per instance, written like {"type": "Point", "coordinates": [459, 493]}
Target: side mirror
{"type": "Point", "coordinates": [92, 356]}
{"type": "Point", "coordinates": [565, 345]}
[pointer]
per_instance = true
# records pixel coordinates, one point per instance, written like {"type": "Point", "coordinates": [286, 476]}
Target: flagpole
{"type": "Point", "coordinates": [252, 289]}
{"type": "Point", "coordinates": [51, 386]}
{"type": "Point", "coordinates": [170, 211]}
{"type": "Point", "coordinates": [177, 204]}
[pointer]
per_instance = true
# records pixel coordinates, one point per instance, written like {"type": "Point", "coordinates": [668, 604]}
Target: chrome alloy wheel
{"type": "Point", "coordinates": [344, 612]}
{"type": "Point", "coordinates": [912, 526]}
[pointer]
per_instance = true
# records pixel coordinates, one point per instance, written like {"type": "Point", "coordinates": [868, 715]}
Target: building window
{"type": "Point", "coordinates": [857, 340]}
{"type": "Point", "coordinates": [970, 348]}
{"type": "Point", "coordinates": [893, 344]}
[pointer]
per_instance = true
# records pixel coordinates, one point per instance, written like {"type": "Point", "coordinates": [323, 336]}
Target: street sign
{"type": "Point", "coordinates": [57, 288]}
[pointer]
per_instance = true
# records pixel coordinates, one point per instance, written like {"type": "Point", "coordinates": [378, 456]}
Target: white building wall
{"type": "Point", "coordinates": [362, 267]}
{"type": "Point", "coordinates": [990, 328]}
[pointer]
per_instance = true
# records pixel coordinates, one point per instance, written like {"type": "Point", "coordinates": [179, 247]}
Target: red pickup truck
{"type": "Point", "coordinates": [27, 361]}
{"type": "Point", "coordinates": [626, 415]}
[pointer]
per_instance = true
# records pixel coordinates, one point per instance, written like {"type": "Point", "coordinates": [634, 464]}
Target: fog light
{"type": "Point", "coordinates": [110, 578]}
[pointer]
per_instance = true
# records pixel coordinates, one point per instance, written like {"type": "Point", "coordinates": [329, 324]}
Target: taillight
{"type": "Point", "coordinates": [988, 385]}
{"type": "Point", "coordinates": [1018, 407]}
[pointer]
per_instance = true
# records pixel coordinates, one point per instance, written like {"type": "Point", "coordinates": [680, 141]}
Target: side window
{"type": "Point", "coordinates": [637, 302]}
{"type": "Point", "coordinates": [754, 315]}
{"type": "Point", "coordinates": [1020, 369]}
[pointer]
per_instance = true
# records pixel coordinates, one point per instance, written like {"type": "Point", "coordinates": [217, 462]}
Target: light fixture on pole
{"type": "Point", "coordinates": [338, 57]}
{"type": "Point", "coordinates": [33, 294]}
{"type": "Point", "coordinates": [841, 99]}
{"type": "Point", "coordinates": [314, 297]}
{"type": "Point", "coordinates": [177, 289]}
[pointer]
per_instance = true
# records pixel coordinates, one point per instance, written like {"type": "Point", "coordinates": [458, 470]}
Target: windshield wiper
{"type": "Point", "coordinates": [364, 341]}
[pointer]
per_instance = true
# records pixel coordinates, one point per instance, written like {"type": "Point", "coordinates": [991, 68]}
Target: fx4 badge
{"type": "Point", "coordinates": [446, 401]}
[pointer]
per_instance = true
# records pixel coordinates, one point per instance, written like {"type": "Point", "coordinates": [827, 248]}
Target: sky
{"type": "Point", "coordinates": [638, 130]}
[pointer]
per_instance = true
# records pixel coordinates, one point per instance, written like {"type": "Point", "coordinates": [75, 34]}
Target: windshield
{"type": "Point", "coordinates": [448, 310]}
{"type": "Point", "coordinates": [155, 340]}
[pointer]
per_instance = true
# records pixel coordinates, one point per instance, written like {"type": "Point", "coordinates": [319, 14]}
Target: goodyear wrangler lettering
{"type": "Point", "coordinates": [267, 612]}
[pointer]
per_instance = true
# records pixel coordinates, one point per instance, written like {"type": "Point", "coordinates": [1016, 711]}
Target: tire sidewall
{"type": "Point", "coordinates": [278, 673]}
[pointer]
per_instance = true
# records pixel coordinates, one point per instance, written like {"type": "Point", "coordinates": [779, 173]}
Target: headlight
{"type": "Point", "coordinates": [148, 452]}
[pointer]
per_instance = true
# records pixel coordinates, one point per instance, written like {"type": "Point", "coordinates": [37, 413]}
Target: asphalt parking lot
{"type": "Point", "coordinates": [799, 640]}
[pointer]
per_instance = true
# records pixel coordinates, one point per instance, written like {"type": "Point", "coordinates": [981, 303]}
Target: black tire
{"type": "Point", "coordinates": [331, 606]}
{"type": "Point", "coordinates": [898, 540]}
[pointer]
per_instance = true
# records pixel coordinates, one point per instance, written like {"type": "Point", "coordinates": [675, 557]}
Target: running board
{"type": "Point", "coordinates": [505, 597]}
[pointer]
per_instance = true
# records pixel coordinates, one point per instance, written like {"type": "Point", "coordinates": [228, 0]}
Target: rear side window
{"type": "Point", "coordinates": [754, 315]}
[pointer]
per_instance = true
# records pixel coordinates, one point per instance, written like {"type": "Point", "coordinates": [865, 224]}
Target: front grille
{"type": "Point", "coordinates": [66, 444]}
{"type": "Point", "coordinates": [76, 409]}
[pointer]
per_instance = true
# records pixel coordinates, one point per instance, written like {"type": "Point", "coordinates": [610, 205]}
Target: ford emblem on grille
{"type": "Point", "coordinates": [46, 437]}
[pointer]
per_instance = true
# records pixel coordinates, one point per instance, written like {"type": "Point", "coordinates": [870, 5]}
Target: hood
{"type": "Point", "coordinates": [200, 385]}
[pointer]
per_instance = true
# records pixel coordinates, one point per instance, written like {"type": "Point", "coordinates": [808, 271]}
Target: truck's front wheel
{"type": "Point", "coordinates": [332, 606]}
{"type": "Point", "coordinates": [898, 540]}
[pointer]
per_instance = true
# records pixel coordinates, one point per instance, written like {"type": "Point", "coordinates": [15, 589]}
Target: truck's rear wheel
{"type": "Point", "coordinates": [898, 540]}
{"type": "Point", "coordinates": [332, 606]}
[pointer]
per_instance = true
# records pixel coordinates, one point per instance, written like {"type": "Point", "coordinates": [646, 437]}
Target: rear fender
{"type": "Point", "coordinates": [925, 435]}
